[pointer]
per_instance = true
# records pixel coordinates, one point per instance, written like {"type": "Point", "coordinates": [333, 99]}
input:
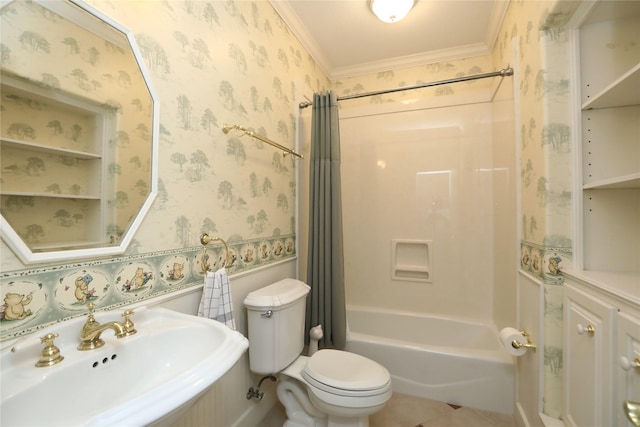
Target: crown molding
{"type": "Point", "coordinates": [468, 51]}
{"type": "Point", "coordinates": [300, 30]}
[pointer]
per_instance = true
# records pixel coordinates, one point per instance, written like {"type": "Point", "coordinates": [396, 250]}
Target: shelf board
{"type": "Point", "coordinates": [49, 195]}
{"type": "Point", "coordinates": [411, 268]}
{"type": "Point", "coordinates": [30, 146]}
{"type": "Point", "coordinates": [622, 92]}
{"type": "Point", "coordinates": [626, 181]}
{"type": "Point", "coordinates": [66, 245]}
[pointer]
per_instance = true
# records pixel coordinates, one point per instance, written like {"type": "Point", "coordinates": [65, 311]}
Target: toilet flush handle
{"type": "Point", "coordinates": [267, 313]}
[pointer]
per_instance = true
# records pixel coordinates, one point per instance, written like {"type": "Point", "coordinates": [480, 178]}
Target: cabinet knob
{"type": "Point", "coordinates": [589, 329]}
{"type": "Point", "coordinates": [627, 364]}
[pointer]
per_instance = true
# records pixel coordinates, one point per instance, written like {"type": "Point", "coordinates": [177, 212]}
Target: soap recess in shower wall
{"type": "Point", "coordinates": [410, 260]}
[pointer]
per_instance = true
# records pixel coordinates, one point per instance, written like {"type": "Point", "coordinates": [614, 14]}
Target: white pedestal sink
{"type": "Point", "coordinates": [133, 381]}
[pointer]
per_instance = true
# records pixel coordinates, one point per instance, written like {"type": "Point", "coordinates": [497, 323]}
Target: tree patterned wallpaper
{"type": "Point", "coordinates": [211, 63]}
{"type": "Point", "coordinates": [546, 172]}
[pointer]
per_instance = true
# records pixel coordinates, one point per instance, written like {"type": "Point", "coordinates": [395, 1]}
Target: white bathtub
{"type": "Point", "coordinates": [446, 359]}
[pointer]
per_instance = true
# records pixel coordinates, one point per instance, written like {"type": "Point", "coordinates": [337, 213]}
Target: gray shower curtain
{"type": "Point", "coordinates": [325, 267]}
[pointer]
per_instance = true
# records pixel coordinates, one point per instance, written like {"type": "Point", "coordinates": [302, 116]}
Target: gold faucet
{"type": "Point", "coordinates": [92, 329]}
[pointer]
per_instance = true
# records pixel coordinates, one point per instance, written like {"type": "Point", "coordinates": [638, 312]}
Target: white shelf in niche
{"type": "Point", "coordinates": [51, 195]}
{"type": "Point", "coordinates": [622, 92]}
{"type": "Point", "coordinates": [68, 245]}
{"type": "Point", "coordinates": [30, 146]}
{"type": "Point", "coordinates": [626, 181]}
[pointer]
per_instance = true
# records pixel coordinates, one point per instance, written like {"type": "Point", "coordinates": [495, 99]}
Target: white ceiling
{"type": "Point", "coordinates": [346, 39]}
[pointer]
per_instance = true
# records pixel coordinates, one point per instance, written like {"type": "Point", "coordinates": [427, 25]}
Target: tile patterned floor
{"type": "Point", "coordinates": [409, 411]}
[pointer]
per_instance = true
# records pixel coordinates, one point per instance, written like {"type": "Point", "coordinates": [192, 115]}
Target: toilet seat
{"type": "Point", "coordinates": [346, 374]}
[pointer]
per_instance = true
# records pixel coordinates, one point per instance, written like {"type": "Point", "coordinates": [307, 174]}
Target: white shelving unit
{"type": "Point", "coordinates": [602, 293]}
{"type": "Point", "coordinates": [608, 241]}
{"type": "Point", "coordinates": [53, 166]}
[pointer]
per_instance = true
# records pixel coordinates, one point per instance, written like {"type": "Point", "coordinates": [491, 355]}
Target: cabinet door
{"type": "Point", "coordinates": [628, 360]}
{"type": "Point", "coordinates": [588, 333]}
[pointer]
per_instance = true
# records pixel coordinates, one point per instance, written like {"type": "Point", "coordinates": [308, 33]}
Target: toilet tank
{"type": "Point", "coordinates": [276, 317]}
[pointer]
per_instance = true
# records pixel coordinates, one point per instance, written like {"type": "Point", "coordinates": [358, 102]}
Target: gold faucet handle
{"type": "Point", "coordinates": [91, 308]}
{"type": "Point", "coordinates": [128, 323]}
{"type": "Point", "coordinates": [48, 339]}
{"type": "Point", "coordinates": [50, 354]}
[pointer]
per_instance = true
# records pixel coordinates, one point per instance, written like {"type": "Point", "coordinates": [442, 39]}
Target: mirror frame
{"type": "Point", "coordinates": [7, 233]}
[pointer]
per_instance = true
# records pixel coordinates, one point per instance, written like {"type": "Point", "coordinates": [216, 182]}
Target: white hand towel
{"type": "Point", "coordinates": [216, 298]}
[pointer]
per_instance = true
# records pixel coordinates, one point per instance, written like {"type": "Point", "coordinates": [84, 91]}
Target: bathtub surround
{"type": "Point", "coordinates": [325, 265]}
{"type": "Point", "coordinates": [420, 174]}
{"type": "Point", "coordinates": [420, 170]}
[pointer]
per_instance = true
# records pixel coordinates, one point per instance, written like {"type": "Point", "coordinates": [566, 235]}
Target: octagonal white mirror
{"type": "Point", "coordinates": [79, 132]}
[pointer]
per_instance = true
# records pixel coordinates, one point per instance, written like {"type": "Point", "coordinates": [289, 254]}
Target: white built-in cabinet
{"type": "Point", "coordinates": [602, 291]}
{"type": "Point", "coordinates": [627, 377]}
{"type": "Point", "coordinates": [601, 354]}
{"type": "Point", "coordinates": [587, 354]}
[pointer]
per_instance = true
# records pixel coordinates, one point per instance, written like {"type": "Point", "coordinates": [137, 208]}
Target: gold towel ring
{"type": "Point", "coordinates": [205, 239]}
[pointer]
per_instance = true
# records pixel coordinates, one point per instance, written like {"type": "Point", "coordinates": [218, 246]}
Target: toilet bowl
{"type": "Point", "coordinates": [343, 389]}
{"type": "Point", "coordinates": [343, 383]}
{"type": "Point", "coordinates": [328, 388]}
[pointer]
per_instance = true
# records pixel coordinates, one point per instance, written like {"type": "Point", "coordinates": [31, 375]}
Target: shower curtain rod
{"type": "Point", "coordinates": [502, 73]}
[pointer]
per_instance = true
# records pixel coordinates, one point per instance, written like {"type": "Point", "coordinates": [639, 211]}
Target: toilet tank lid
{"type": "Point", "coordinates": [279, 294]}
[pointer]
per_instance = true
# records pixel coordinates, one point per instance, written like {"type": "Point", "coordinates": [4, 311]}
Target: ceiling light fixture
{"type": "Point", "coordinates": [391, 10]}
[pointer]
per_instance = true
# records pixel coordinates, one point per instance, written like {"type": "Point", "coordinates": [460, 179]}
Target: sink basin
{"type": "Point", "coordinates": [137, 380]}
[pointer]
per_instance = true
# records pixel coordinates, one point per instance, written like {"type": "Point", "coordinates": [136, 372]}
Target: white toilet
{"type": "Point", "coordinates": [329, 388]}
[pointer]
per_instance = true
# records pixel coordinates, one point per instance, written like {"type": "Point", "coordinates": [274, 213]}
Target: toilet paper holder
{"type": "Point", "coordinates": [529, 344]}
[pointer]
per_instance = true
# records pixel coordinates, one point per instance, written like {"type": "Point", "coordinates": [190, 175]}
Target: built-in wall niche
{"type": "Point", "coordinates": [411, 260]}
{"type": "Point", "coordinates": [53, 166]}
{"type": "Point", "coordinates": [78, 136]}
